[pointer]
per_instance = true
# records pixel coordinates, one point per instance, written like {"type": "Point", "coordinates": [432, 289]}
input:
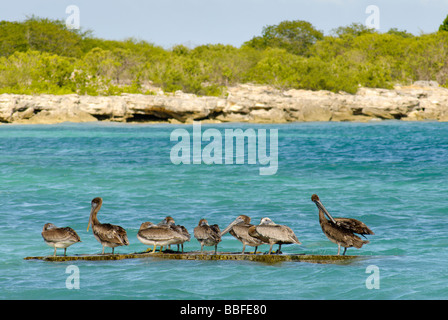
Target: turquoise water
{"type": "Point", "coordinates": [391, 175]}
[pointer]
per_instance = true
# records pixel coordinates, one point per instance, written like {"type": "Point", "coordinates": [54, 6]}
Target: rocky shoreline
{"type": "Point", "coordinates": [244, 103]}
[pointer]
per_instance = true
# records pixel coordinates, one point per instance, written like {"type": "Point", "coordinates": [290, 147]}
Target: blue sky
{"type": "Point", "coordinates": [194, 22]}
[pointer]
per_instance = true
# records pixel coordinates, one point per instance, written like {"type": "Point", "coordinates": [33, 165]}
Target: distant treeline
{"type": "Point", "coordinates": [43, 56]}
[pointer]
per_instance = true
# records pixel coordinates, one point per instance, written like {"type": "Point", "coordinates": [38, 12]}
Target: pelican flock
{"type": "Point", "coordinates": [341, 231]}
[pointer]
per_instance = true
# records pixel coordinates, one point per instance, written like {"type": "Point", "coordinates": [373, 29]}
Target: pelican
{"type": "Point", "coordinates": [59, 237]}
{"type": "Point", "coordinates": [158, 235]}
{"type": "Point", "coordinates": [207, 235]}
{"type": "Point", "coordinates": [108, 235]}
{"type": "Point", "coordinates": [239, 228]}
{"type": "Point", "coordinates": [272, 233]}
{"type": "Point", "coordinates": [169, 221]}
{"type": "Point", "coordinates": [341, 230]}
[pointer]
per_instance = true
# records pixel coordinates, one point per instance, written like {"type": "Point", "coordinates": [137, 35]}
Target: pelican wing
{"type": "Point", "coordinates": [216, 230]}
{"type": "Point", "coordinates": [181, 230]}
{"type": "Point", "coordinates": [353, 225]}
{"type": "Point", "coordinates": [72, 233]}
{"type": "Point", "coordinates": [241, 232]}
{"type": "Point", "coordinates": [160, 234]}
{"type": "Point", "coordinates": [207, 232]}
{"type": "Point", "coordinates": [112, 233]}
{"type": "Point", "coordinates": [342, 236]}
{"type": "Point", "coordinates": [276, 233]}
{"type": "Point", "coordinates": [184, 232]}
{"type": "Point", "coordinates": [60, 235]}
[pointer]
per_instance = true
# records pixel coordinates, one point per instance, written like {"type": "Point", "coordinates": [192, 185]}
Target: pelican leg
{"type": "Point", "coordinates": [154, 250]}
{"type": "Point", "coordinates": [279, 247]}
{"type": "Point", "coordinates": [113, 250]}
{"type": "Point", "coordinates": [345, 249]}
{"type": "Point", "coordinates": [255, 251]}
{"type": "Point", "coordinates": [244, 247]}
{"type": "Point", "coordinates": [103, 250]}
{"type": "Point", "coordinates": [339, 248]}
{"type": "Point", "coordinates": [202, 247]}
{"type": "Point", "coordinates": [270, 249]}
{"type": "Point", "coordinates": [54, 253]}
{"type": "Point", "coordinates": [216, 248]}
{"type": "Point", "coordinates": [65, 252]}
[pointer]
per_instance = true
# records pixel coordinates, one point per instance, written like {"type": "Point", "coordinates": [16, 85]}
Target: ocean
{"type": "Point", "coordinates": [392, 175]}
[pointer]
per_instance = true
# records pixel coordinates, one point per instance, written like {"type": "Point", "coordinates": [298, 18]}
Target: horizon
{"type": "Point", "coordinates": [200, 22]}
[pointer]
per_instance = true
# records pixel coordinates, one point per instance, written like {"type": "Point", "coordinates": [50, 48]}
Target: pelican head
{"type": "Point", "coordinates": [48, 226]}
{"type": "Point", "coordinates": [96, 205]}
{"type": "Point", "coordinates": [267, 221]}
{"type": "Point", "coordinates": [319, 205]}
{"type": "Point", "coordinates": [203, 222]}
{"type": "Point", "coordinates": [97, 202]}
{"type": "Point", "coordinates": [169, 220]}
{"type": "Point", "coordinates": [146, 225]}
{"type": "Point", "coordinates": [239, 219]}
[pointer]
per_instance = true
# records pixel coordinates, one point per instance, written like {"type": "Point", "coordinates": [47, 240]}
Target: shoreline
{"type": "Point", "coordinates": [244, 103]}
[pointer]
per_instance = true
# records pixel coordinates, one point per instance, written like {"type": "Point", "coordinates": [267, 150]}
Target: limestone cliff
{"type": "Point", "coordinates": [244, 103]}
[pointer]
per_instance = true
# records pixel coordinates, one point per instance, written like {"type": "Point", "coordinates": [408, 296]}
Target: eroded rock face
{"type": "Point", "coordinates": [244, 103]}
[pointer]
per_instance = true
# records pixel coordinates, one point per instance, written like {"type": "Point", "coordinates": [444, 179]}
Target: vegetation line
{"type": "Point", "coordinates": [43, 56]}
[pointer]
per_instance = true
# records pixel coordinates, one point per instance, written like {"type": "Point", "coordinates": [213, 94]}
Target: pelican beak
{"type": "Point", "coordinates": [230, 226]}
{"type": "Point", "coordinates": [321, 207]}
{"type": "Point", "coordinates": [90, 217]}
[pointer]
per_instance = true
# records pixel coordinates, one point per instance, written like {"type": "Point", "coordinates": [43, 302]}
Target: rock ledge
{"type": "Point", "coordinates": [244, 103]}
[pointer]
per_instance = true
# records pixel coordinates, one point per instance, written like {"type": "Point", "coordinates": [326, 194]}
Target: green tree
{"type": "Point", "coordinates": [278, 68]}
{"type": "Point", "coordinates": [444, 25]}
{"type": "Point", "coordinates": [294, 36]}
{"type": "Point", "coordinates": [354, 30]}
{"type": "Point", "coordinates": [36, 72]}
{"type": "Point", "coordinates": [400, 33]}
{"type": "Point", "coordinates": [12, 38]}
{"type": "Point", "coordinates": [225, 64]}
{"type": "Point", "coordinates": [42, 35]}
{"type": "Point", "coordinates": [426, 57]}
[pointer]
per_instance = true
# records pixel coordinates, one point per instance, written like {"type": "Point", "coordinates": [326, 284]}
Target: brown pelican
{"type": "Point", "coordinates": [207, 235]}
{"type": "Point", "coordinates": [239, 228]}
{"type": "Point", "coordinates": [341, 230]}
{"type": "Point", "coordinates": [169, 221]}
{"type": "Point", "coordinates": [272, 233]}
{"type": "Point", "coordinates": [59, 237]}
{"type": "Point", "coordinates": [158, 235]}
{"type": "Point", "coordinates": [108, 235]}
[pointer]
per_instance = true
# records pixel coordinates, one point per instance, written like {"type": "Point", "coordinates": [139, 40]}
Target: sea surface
{"type": "Point", "coordinates": [391, 175]}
